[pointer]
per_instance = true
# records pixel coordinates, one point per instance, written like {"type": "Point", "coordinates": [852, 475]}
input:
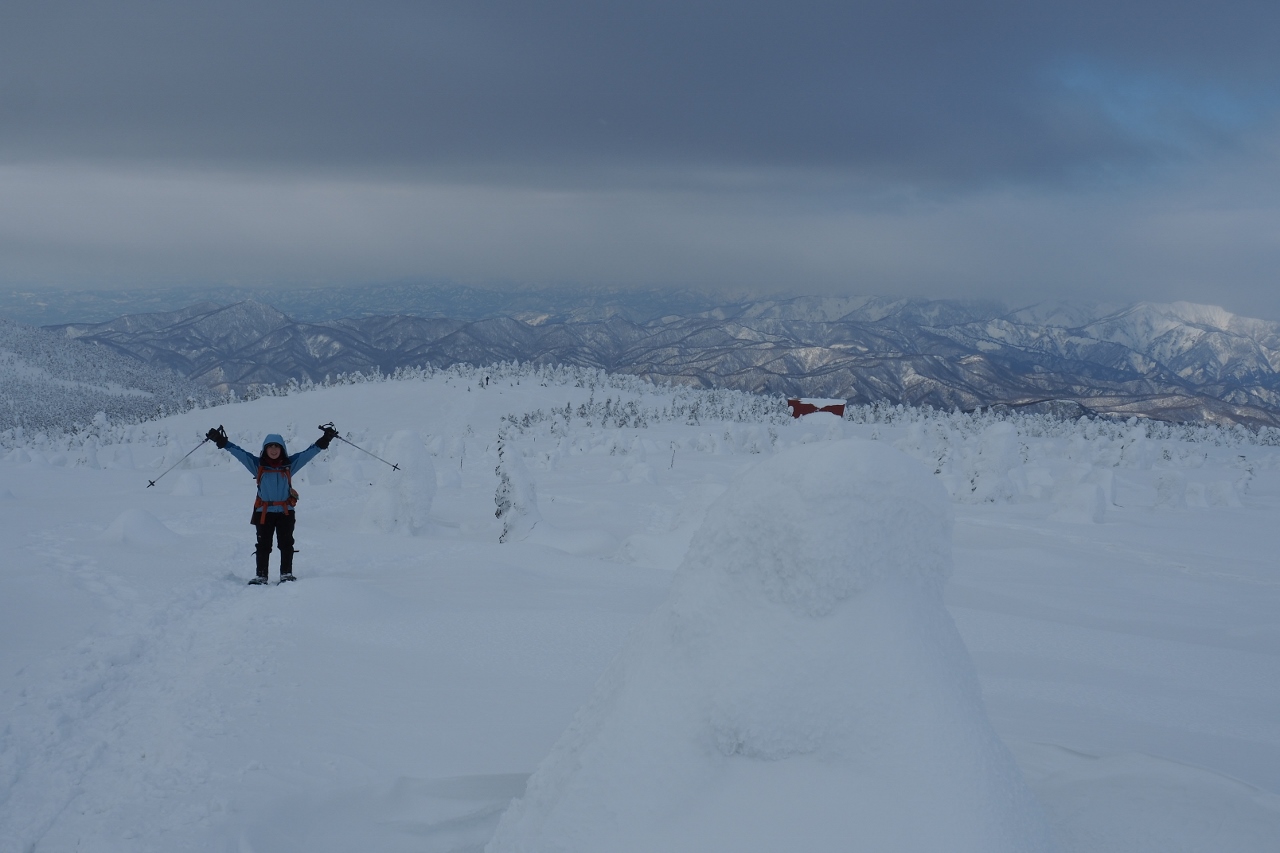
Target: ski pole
{"type": "Point", "coordinates": [151, 483]}
{"type": "Point", "coordinates": [329, 425]}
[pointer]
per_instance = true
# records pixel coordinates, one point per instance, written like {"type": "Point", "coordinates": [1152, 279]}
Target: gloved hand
{"type": "Point", "coordinates": [329, 435]}
{"type": "Point", "coordinates": [217, 436]}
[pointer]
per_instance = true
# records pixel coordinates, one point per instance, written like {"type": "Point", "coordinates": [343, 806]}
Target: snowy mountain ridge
{"type": "Point", "coordinates": [47, 382]}
{"type": "Point", "coordinates": [1178, 361]}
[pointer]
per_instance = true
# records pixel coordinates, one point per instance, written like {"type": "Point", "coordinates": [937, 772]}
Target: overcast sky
{"type": "Point", "coordinates": [1015, 149]}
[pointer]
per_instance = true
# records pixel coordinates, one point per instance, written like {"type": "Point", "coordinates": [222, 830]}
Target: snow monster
{"type": "Point", "coordinates": [802, 688]}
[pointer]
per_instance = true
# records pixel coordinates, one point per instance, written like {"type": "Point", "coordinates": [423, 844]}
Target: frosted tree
{"type": "Point", "coordinates": [516, 497]}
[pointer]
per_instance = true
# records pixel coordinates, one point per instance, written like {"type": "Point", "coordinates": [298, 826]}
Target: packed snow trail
{"type": "Point", "coordinates": [199, 704]}
{"type": "Point", "coordinates": [115, 736]}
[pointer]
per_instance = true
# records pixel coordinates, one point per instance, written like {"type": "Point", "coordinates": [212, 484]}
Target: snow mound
{"type": "Point", "coordinates": [137, 527]}
{"type": "Point", "coordinates": [1081, 504]}
{"type": "Point", "coordinates": [401, 500]}
{"type": "Point", "coordinates": [1136, 803]}
{"type": "Point", "coordinates": [802, 688]}
{"type": "Point", "coordinates": [580, 542]}
{"type": "Point", "coordinates": [187, 484]}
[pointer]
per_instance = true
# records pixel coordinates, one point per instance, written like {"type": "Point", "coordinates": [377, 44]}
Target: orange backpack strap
{"type": "Point", "coordinates": [260, 504]}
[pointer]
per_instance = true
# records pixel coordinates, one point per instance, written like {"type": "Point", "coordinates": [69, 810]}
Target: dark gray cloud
{"type": "Point", "coordinates": [907, 90]}
{"type": "Point", "coordinates": [1014, 149]}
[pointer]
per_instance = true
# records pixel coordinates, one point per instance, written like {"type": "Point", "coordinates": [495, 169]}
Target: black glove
{"type": "Point", "coordinates": [217, 436]}
{"type": "Point", "coordinates": [329, 435]}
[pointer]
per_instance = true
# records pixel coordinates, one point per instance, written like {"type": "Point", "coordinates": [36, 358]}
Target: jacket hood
{"type": "Point", "coordinates": [275, 438]}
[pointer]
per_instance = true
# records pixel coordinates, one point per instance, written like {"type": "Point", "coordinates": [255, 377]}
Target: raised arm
{"type": "Point", "coordinates": [297, 460]}
{"type": "Point", "coordinates": [219, 437]}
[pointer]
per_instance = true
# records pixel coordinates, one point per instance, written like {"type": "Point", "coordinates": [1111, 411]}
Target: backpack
{"type": "Point", "coordinates": [260, 506]}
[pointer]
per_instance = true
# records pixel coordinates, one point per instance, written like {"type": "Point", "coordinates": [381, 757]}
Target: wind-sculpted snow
{"type": "Point", "coordinates": [401, 499]}
{"type": "Point", "coordinates": [822, 523]}
{"type": "Point", "coordinates": [802, 688]}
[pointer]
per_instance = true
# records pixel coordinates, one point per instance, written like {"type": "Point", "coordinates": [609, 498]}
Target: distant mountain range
{"type": "Point", "coordinates": [1179, 362]}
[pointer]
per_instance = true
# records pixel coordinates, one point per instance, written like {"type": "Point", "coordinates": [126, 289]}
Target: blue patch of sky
{"type": "Point", "coordinates": [1161, 108]}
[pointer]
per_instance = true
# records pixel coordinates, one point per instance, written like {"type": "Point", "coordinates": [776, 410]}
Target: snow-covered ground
{"type": "Point", "coordinates": [1118, 593]}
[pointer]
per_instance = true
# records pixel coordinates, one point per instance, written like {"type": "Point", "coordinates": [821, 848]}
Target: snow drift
{"type": "Point", "coordinates": [139, 528]}
{"type": "Point", "coordinates": [802, 687]}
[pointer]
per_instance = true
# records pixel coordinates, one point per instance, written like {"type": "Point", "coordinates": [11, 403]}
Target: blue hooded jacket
{"type": "Point", "coordinates": [273, 489]}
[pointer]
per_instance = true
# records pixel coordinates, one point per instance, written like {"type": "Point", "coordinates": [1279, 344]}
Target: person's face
{"type": "Point", "coordinates": [273, 452]}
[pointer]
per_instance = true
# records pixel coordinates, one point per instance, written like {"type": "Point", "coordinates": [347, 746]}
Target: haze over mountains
{"type": "Point", "coordinates": [321, 303]}
{"type": "Point", "coordinates": [1178, 361]}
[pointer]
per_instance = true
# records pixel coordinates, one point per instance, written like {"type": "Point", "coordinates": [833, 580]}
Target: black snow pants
{"type": "Point", "coordinates": [280, 525]}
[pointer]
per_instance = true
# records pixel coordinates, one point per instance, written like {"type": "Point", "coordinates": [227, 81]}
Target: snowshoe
{"type": "Point", "coordinates": [257, 581]}
{"type": "Point", "coordinates": [285, 578]}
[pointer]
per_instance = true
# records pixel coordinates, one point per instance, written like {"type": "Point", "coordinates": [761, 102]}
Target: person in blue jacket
{"type": "Point", "coordinates": [273, 512]}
